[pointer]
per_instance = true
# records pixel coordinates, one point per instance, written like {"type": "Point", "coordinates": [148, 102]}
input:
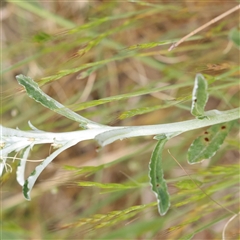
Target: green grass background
{"type": "Point", "coordinates": [107, 61]}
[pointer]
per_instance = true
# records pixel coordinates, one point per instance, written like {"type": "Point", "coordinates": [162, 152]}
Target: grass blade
{"type": "Point", "coordinates": [42, 12]}
{"type": "Point", "coordinates": [84, 105]}
{"type": "Point", "coordinates": [112, 186]}
{"type": "Point", "coordinates": [148, 45]}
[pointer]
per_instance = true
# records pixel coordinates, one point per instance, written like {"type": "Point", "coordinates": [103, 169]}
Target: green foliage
{"type": "Point", "coordinates": [38, 95]}
{"type": "Point", "coordinates": [84, 170]}
{"type": "Point", "coordinates": [68, 139]}
{"type": "Point", "coordinates": [30, 181]}
{"type": "Point", "coordinates": [144, 110]}
{"type": "Point", "coordinates": [158, 183]}
{"type": "Point", "coordinates": [122, 46]}
{"type": "Point", "coordinates": [110, 186]}
{"type": "Point", "coordinates": [205, 146]}
{"type": "Point", "coordinates": [12, 231]}
{"type": "Point", "coordinates": [131, 94]}
{"type": "Point", "coordinates": [148, 45]}
{"type": "Point", "coordinates": [234, 36]}
{"type": "Point", "coordinates": [199, 96]}
{"type": "Point", "coordinates": [187, 184]}
{"type": "Point", "coordinates": [105, 220]}
{"type": "Point", "coordinates": [41, 37]}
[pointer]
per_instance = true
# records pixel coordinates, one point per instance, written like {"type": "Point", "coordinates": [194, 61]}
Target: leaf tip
{"type": "Point", "coordinates": [25, 190]}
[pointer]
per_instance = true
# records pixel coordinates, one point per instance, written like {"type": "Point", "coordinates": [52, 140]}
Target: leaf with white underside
{"type": "Point", "coordinates": [199, 96]}
{"type": "Point", "coordinates": [205, 146]}
{"type": "Point", "coordinates": [38, 95]}
{"type": "Point", "coordinates": [158, 183]}
{"type": "Point", "coordinates": [21, 166]}
{"type": "Point", "coordinates": [30, 181]}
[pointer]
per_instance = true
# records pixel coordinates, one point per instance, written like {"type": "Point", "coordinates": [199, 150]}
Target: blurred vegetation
{"type": "Point", "coordinates": [108, 60]}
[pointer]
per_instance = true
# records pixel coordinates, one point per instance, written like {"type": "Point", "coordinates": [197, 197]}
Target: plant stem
{"type": "Point", "coordinates": [107, 134]}
{"type": "Point", "coordinates": [212, 117]}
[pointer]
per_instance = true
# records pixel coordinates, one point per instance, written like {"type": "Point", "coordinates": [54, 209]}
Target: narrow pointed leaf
{"type": "Point", "coordinates": [38, 95]}
{"type": "Point", "coordinates": [87, 170]}
{"type": "Point", "coordinates": [30, 181]}
{"type": "Point", "coordinates": [21, 166]}
{"type": "Point", "coordinates": [148, 45]}
{"type": "Point", "coordinates": [114, 186]}
{"type": "Point", "coordinates": [205, 146]}
{"type": "Point", "coordinates": [199, 96]}
{"type": "Point", "coordinates": [144, 110]}
{"type": "Point", "coordinates": [158, 183]}
{"type": "Point", "coordinates": [84, 105]}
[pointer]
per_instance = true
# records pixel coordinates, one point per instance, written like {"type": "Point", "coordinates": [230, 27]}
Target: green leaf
{"type": "Point", "coordinates": [205, 146]}
{"type": "Point", "coordinates": [234, 36]}
{"type": "Point", "coordinates": [204, 225]}
{"type": "Point", "coordinates": [158, 183]}
{"type": "Point", "coordinates": [99, 21]}
{"type": "Point", "coordinates": [144, 110]}
{"type": "Point", "coordinates": [38, 95]}
{"type": "Point", "coordinates": [88, 72]}
{"type": "Point", "coordinates": [149, 45]}
{"type": "Point", "coordinates": [137, 93]}
{"type": "Point", "coordinates": [21, 166]}
{"type": "Point", "coordinates": [114, 186]}
{"type": "Point", "coordinates": [30, 181]}
{"type": "Point", "coordinates": [187, 184]}
{"type": "Point", "coordinates": [65, 72]}
{"type": "Point", "coordinates": [88, 170]}
{"type": "Point", "coordinates": [138, 111]}
{"type": "Point", "coordinates": [108, 219]}
{"type": "Point", "coordinates": [199, 96]}
{"type": "Point", "coordinates": [41, 37]}
{"type": "Point", "coordinates": [38, 10]}
{"type": "Point", "coordinates": [221, 171]}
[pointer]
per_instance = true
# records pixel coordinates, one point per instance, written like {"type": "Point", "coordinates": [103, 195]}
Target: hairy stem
{"type": "Point", "coordinates": [212, 117]}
